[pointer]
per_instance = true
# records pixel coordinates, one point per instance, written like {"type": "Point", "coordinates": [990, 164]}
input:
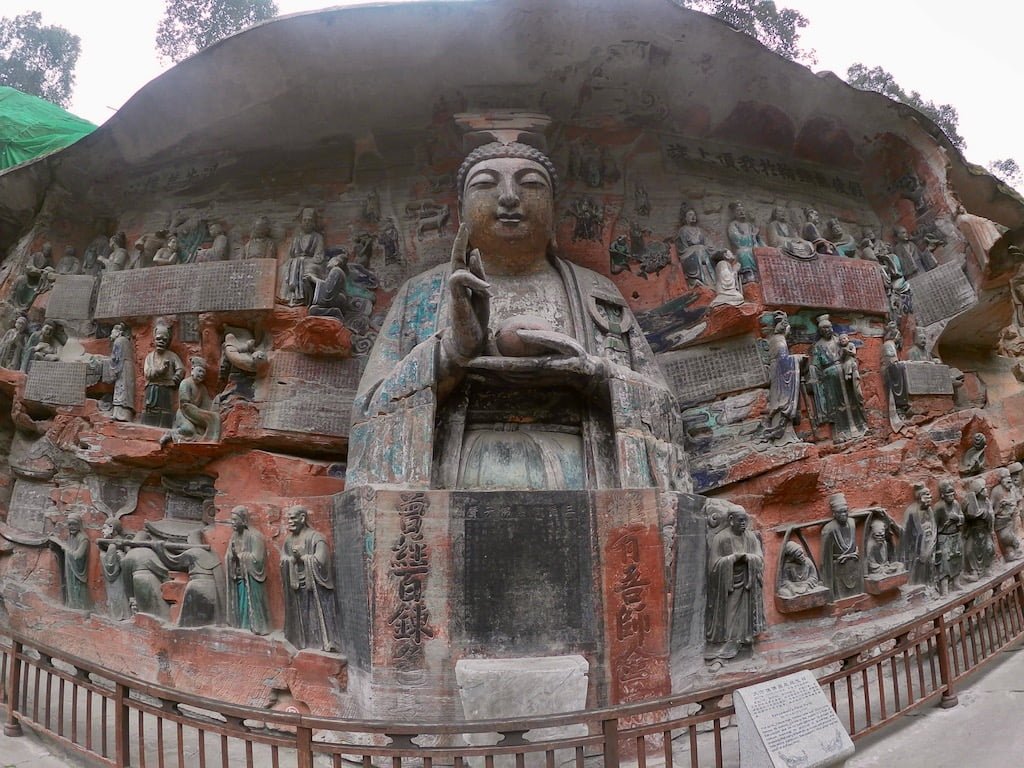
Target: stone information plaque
{"type": "Point", "coordinates": [57, 382]}
{"type": "Point", "coordinates": [828, 282]}
{"type": "Point", "coordinates": [219, 286]}
{"type": "Point", "coordinates": [30, 505]}
{"type": "Point", "coordinates": [928, 379]}
{"type": "Point", "coordinates": [701, 373]}
{"type": "Point", "coordinates": [788, 723]}
{"type": "Point", "coordinates": [181, 507]}
{"type": "Point", "coordinates": [941, 293]}
{"type": "Point", "coordinates": [309, 394]}
{"type": "Point", "coordinates": [526, 568]}
{"type": "Point", "coordinates": [71, 298]}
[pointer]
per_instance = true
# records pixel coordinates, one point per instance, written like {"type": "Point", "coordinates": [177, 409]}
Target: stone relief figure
{"type": "Point", "coordinates": [371, 207]}
{"type": "Point", "coordinates": [203, 601]}
{"type": "Point", "coordinates": [735, 609]}
{"type": "Point", "coordinates": [69, 263]}
{"type": "Point", "coordinates": [918, 353]}
{"type": "Point", "coordinates": [912, 260]}
{"type": "Point", "coordinates": [949, 521]}
{"type": "Point", "coordinates": [619, 255]}
{"type": "Point", "coordinates": [589, 217]}
{"type": "Point", "coordinates": [813, 234]}
{"type": "Point", "coordinates": [973, 461]}
{"type": "Point", "coordinates": [641, 200]}
{"type": "Point", "coordinates": [390, 241]}
{"type": "Point", "coordinates": [117, 259]}
{"type": "Point", "coordinates": [784, 384]}
{"type": "Point", "coordinates": [559, 331]}
{"type": "Point", "coordinates": [241, 361]}
{"type": "Point", "coordinates": [44, 344]}
{"type": "Point", "coordinates": [744, 237]}
{"type": "Point", "coordinates": [837, 395]}
{"type": "Point", "coordinates": [73, 564]}
{"type": "Point", "coordinates": [727, 283]}
{"type": "Point", "coordinates": [1005, 500]}
{"type": "Point", "coordinates": [164, 371]}
{"type": "Point", "coordinates": [196, 418]}
{"type": "Point", "coordinates": [144, 573]}
{"type": "Point", "coordinates": [146, 247]}
{"type": "Point", "coordinates": [28, 285]}
{"type": "Point", "coordinates": [919, 537]}
{"type": "Point", "coordinates": [305, 257]}
{"type": "Point", "coordinates": [218, 250]}
{"type": "Point", "coordinates": [260, 244]}
{"type": "Point", "coordinates": [246, 565]}
{"type": "Point", "coordinates": [120, 369]}
{"type": "Point", "coordinates": [42, 258]}
{"type": "Point", "coordinates": [779, 234]}
{"type": "Point", "coordinates": [310, 613]}
{"type": "Point", "coordinates": [841, 240]}
{"type": "Point", "coordinates": [169, 254]}
{"type": "Point", "coordinates": [979, 551]}
{"type": "Point", "coordinates": [694, 253]}
{"type": "Point", "coordinates": [879, 553]}
{"type": "Point", "coordinates": [894, 375]}
{"type": "Point", "coordinates": [840, 557]}
{"type": "Point", "coordinates": [1016, 470]}
{"type": "Point", "coordinates": [867, 248]}
{"type": "Point", "coordinates": [799, 574]}
{"type": "Point", "coordinates": [12, 344]}
{"type": "Point", "coordinates": [112, 553]}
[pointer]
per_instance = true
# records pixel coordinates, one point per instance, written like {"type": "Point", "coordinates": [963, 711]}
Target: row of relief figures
{"type": "Point", "coordinates": [939, 546]}
{"type": "Point", "coordinates": [229, 590]}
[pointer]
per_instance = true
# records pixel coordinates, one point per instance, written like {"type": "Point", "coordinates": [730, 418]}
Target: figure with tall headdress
{"type": "Point", "coordinates": [840, 557]}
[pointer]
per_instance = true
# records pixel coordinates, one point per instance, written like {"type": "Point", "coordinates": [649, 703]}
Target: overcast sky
{"type": "Point", "coordinates": [963, 53]}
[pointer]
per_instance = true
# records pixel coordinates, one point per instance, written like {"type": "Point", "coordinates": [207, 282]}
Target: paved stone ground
{"type": "Point", "coordinates": [27, 752]}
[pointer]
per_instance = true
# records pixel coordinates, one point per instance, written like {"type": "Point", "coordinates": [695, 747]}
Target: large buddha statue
{"type": "Point", "coordinates": [511, 368]}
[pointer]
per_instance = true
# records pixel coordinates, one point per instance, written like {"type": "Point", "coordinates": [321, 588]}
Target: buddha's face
{"type": "Point", "coordinates": [508, 201]}
{"type": "Point", "coordinates": [979, 440]}
{"type": "Point", "coordinates": [738, 522]}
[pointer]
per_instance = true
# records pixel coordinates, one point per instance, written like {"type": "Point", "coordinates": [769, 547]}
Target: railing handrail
{"type": "Point", "coordinates": [618, 712]}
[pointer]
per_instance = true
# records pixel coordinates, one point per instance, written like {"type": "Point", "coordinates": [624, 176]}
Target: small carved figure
{"type": "Point", "coordinates": [840, 557]}
{"type": "Point", "coordinates": [694, 253]}
{"type": "Point", "coordinates": [917, 543]}
{"type": "Point", "coordinates": [246, 565]}
{"type": "Point", "coordinates": [784, 384]}
{"type": "Point", "coordinates": [203, 601]}
{"type": "Point", "coordinates": [1004, 500]}
{"type": "Point", "coordinates": [240, 362]}
{"type": "Point", "coordinates": [169, 254]}
{"type": "Point", "coordinates": [735, 609]}
{"type": "Point", "coordinates": [841, 240]}
{"type": "Point", "coordinates": [894, 375]}
{"type": "Point", "coordinates": [73, 564]}
{"type": "Point", "coordinates": [146, 248]}
{"type": "Point", "coordinates": [120, 369]}
{"type": "Point", "coordinates": [973, 461]}
{"type": "Point", "coordinates": [196, 418]}
{"type": "Point", "coordinates": [979, 551]}
{"type": "Point", "coordinates": [305, 258]}
{"type": "Point", "coordinates": [949, 521]}
{"type": "Point", "coordinates": [652, 257]}
{"type": "Point", "coordinates": [310, 613]}
{"type": "Point", "coordinates": [44, 344]}
{"type": "Point", "coordinates": [589, 219]}
{"type": "Point", "coordinates": [330, 298]}
{"type": "Point", "coordinates": [390, 240]}
{"type": "Point", "coordinates": [371, 207]}
{"type": "Point", "coordinates": [799, 574]}
{"type": "Point", "coordinates": [727, 284]}
{"type": "Point", "coordinates": [218, 250]}
{"type": "Point", "coordinates": [779, 234]}
{"type": "Point", "coordinates": [912, 260]}
{"type": "Point", "coordinates": [838, 399]}
{"type": "Point", "coordinates": [164, 371]}
{"type": "Point", "coordinates": [641, 200]}
{"type": "Point", "coordinates": [144, 573]}
{"type": "Point", "coordinates": [918, 353]}
{"type": "Point", "coordinates": [879, 552]}
{"type": "Point", "coordinates": [1016, 470]}
{"type": "Point", "coordinates": [111, 547]}
{"type": "Point", "coordinates": [117, 259]}
{"type": "Point", "coordinates": [867, 249]}
{"type": "Point", "coordinates": [851, 371]}
{"type": "Point", "coordinates": [619, 254]}
{"type": "Point", "coordinates": [30, 284]}
{"type": "Point", "coordinates": [12, 344]}
{"type": "Point", "coordinates": [69, 263]}
{"type": "Point", "coordinates": [42, 258]}
{"type": "Point", "coordinates": [743, 236]}
{"type": "Point", "coordinates": [813, 234]}
{"type": "Point", "coordinates": [260, 245]}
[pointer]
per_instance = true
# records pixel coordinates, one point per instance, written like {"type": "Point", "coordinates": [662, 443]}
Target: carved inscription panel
{"type": "Point", "coordinates": [701, 373]}
{"type": "Point", "coordinates": [928, 379]}
{"type": "Point", "coordinates": [219, 286]}
{"type": "Point", "coordinates": [829, 282]}
{"type": "Point", "coordinates": [57, 382]}
{"type": "Point", "coordinates": [71, 298]}
{"type": "Point", "coordinates": [311, 395]}
{"type": "Point", "coordinates": [941, 293]}
{"type": "Point", "coordinates": [30, 506]}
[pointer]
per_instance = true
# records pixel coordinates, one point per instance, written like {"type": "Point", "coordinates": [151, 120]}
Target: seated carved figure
{"type": "Point", "coordinates": [799, 574]}
{"type": "Point", "coordinates": [512, 367]}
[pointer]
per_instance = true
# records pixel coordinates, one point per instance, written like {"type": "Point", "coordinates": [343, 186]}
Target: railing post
{"type": "Point", "coordinates": [12, 727]}
{"type": "Point", "coordinates": [949, 697]}
{"type": "Point", "coordinates": [122, 756]}
{"type": "Point", "coordinates": [303, 747]}
{"type": "Point", "coordinates": [610, 732]}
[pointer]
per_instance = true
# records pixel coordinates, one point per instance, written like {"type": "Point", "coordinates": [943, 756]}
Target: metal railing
{"type": "Point", "coordinates": [114, 720]}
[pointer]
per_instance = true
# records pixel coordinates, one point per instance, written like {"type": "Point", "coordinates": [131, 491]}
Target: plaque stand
{"type": "Point", "coordinates": [427, 578]}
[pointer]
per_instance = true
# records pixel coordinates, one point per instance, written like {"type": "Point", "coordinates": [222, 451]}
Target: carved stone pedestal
{"type": "Point", "coordinates": [426, 578]}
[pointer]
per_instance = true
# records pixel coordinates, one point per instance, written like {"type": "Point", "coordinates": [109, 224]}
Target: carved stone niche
{"type": "Point", "coordinates": [883, 571]}
{"type": "Point", "coordinates": [798, 586]}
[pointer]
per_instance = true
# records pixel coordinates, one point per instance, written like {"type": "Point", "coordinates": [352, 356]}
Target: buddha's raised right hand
{"type": "Point", "coordinates": [469, 305]}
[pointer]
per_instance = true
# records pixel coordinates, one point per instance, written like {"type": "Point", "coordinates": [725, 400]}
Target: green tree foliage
{"type": "Point", "coordinates": [1008, 170]}
{"type": "Point", "coordinates": [38, 59]}
{"type": "Point", "coordinates": [877, 79]}
{"type": "Point", "coordinates": [189, 26]}
{"type": "Point", "coordinates": [776, 28]}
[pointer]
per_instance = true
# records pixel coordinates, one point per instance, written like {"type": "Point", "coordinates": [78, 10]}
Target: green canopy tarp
{"type": "Point", "coordinates": [30, 127]}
